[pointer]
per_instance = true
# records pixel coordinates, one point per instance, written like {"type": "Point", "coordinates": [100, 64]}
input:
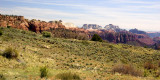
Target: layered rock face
{"type": "Point", "coordinates": [145, 39]}
{"type": "Point", "coordinates": [118, 37]}
{"type": "Point", "coordinates": [39, 26]}
{"type": "Point", "coordinates": [142, 36]}
{"type": "Point", "coordinates": [91, 26]}
{"type": "Point", "coordinates": [14, 21]}
{"type": "Point", "coordinates": [124, 37]}
{"type": "Point", "coordinates": [34, 25]}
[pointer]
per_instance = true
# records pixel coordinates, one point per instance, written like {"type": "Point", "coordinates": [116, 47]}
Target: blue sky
{"type": "Point", "coordinates": [140, 14]}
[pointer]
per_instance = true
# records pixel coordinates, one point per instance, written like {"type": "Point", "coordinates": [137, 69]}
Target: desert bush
{"type": "Point", "coordinates": [1, 32]}
{"type": "Point", "coordinates": [85, 42]}
{"type": "Point", "coordinates": [2, 77]}
{"type": "Point", "coordinates": [159, 64]}
{"type": "Point", "coordinates": [126, 69]}
{"type": "Point", "coordinates": [43, 72]}
{"type": "Point", "coordinates": [8, 26]}
{"type": "Point", "coordinates": [68, 76]}
{"type": "Point", "coordinates": [96, 37]}
{"type": "Point", "coordinates": [157, 74]}
{"type": "Point", "coordinates": [149, 65]}
{"type": "Point", "coordinates": [46, 34]}
{"type": "Point", "coordinates": [10, 53]}
{"type": "Point", "coordinates": [24, 32]}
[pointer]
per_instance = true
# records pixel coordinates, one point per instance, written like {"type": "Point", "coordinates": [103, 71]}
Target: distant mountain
{"type": "Point", "coordinates": [113, 27]}
{"type": "Point", "coordinates": [154, 34]}
{"type": "Point", "coordinates": [143, 37]}
{"type": "Point", "coordinates": [110, 27]}
{"type": "Point", "coordinates": [91, 26]}
{"type": "Point", "coordinates": [150, 34]}
{"type": "Point", "coordinates": [136, 31]}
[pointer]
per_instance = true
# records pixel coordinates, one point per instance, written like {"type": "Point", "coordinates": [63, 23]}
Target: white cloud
{"type": "Point", "coordinates": [123, 16]}
{"type": "Point", "coordinates": [133, 1]}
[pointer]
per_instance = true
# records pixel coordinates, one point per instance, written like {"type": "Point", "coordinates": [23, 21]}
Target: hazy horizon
{"type": "Point", "coordinates": [127, 14]}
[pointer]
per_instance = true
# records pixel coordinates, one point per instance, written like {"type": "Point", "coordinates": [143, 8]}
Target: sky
{"type": "Point", "coordinates": [127, 14]}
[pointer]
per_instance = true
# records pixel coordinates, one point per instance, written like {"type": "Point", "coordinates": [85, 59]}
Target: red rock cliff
{"type": "Point", "coordinates": [34, 25]}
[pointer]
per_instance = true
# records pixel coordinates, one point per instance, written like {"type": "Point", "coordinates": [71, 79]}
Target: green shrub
{"type": "Point", "coordinates": [1, 32]}
{"type": "Point", "coordinates": [46, 34]}
{"type": "Point", "coordinates": [85, 42]}
{"type": "Point", "coordinates": [145, 46]}
{"type": "Point", "coordinates": [68, 76]}
{"type": "Point", "coordinates": [24, 32]}
{"type": "Point", "coordinates": [8, 26]}
{"type": "Point", "coordinates": [10, 53]}
{"type": "Point", "coordinates": [2, 77]}
{"type": "Point", "coordinates": [126, 69]}
{"type": "Point", "coordinates": [44, 72]}
{"type": "Point", "coordinates": [96, 37]}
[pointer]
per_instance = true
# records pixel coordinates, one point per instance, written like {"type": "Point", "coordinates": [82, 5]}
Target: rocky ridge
{"type": "Point", "coordinates": [34, 25]}
{"type": "Point", "coordinates": [60, 30]}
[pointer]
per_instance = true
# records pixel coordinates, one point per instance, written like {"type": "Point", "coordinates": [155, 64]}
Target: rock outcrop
{"type": "Point", "coordinates": [118, 37]}
{"type": "Point", "coordinates": [20, 22]}
{"type": "Point", "coordinates": [39, 26]}
{"type": "Point", "coordinates": [14, 21]}
{"type": "Point", "coordinates": [124, 37]}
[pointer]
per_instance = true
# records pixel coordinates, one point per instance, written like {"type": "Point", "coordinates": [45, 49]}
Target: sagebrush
{"type": "Point", "coordinates": [127, 69]}
{"type": "Point", "coordinates": [46, 34]}
{"type": "Point", "coordinates": [10, 53]}
{"type": "Point", "coordinates": [68, 76]}
{"type": "Point", "coordinates": [43, 72]}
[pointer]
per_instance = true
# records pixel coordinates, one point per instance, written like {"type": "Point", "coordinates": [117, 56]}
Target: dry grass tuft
{"type": "Point", "coordinates": [127, 69]}
{"type": "Point", "coordinates": [10, 53]}
{"type": "Point", "coordinates": [149, 65]}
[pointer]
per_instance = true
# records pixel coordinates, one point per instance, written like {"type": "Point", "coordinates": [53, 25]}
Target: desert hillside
{"type": "Point", "coordinates": [88, 60]}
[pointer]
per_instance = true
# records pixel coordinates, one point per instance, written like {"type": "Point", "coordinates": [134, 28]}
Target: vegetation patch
{"type": "Point", "coordinates": [46, 34]}
{"type": "Point", "coordinates": [96, 37]}
{"type": "Point", "coordinates": [149, 65]}
{"type": "Point", "coordinates": [43, 72]}
{"type": "Point", "coordinates": [85, 42]}
{"type": "Point", "coordinates": [1, 32]}
{"type": "Point", "coordinates": [10, 53]}
{"type": "Point", "coordinates": [2, 77]}
{"type": "Point", "coordinates": [8, 26]}
{"type": "Point", "coordinates": [68, 76]}
{"type": "Point", "coordinates": [157, 74]}
{"type": "Point", "coordinates": [127, 69]}
{"type": "Point", "coordinates": [93, 60]}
